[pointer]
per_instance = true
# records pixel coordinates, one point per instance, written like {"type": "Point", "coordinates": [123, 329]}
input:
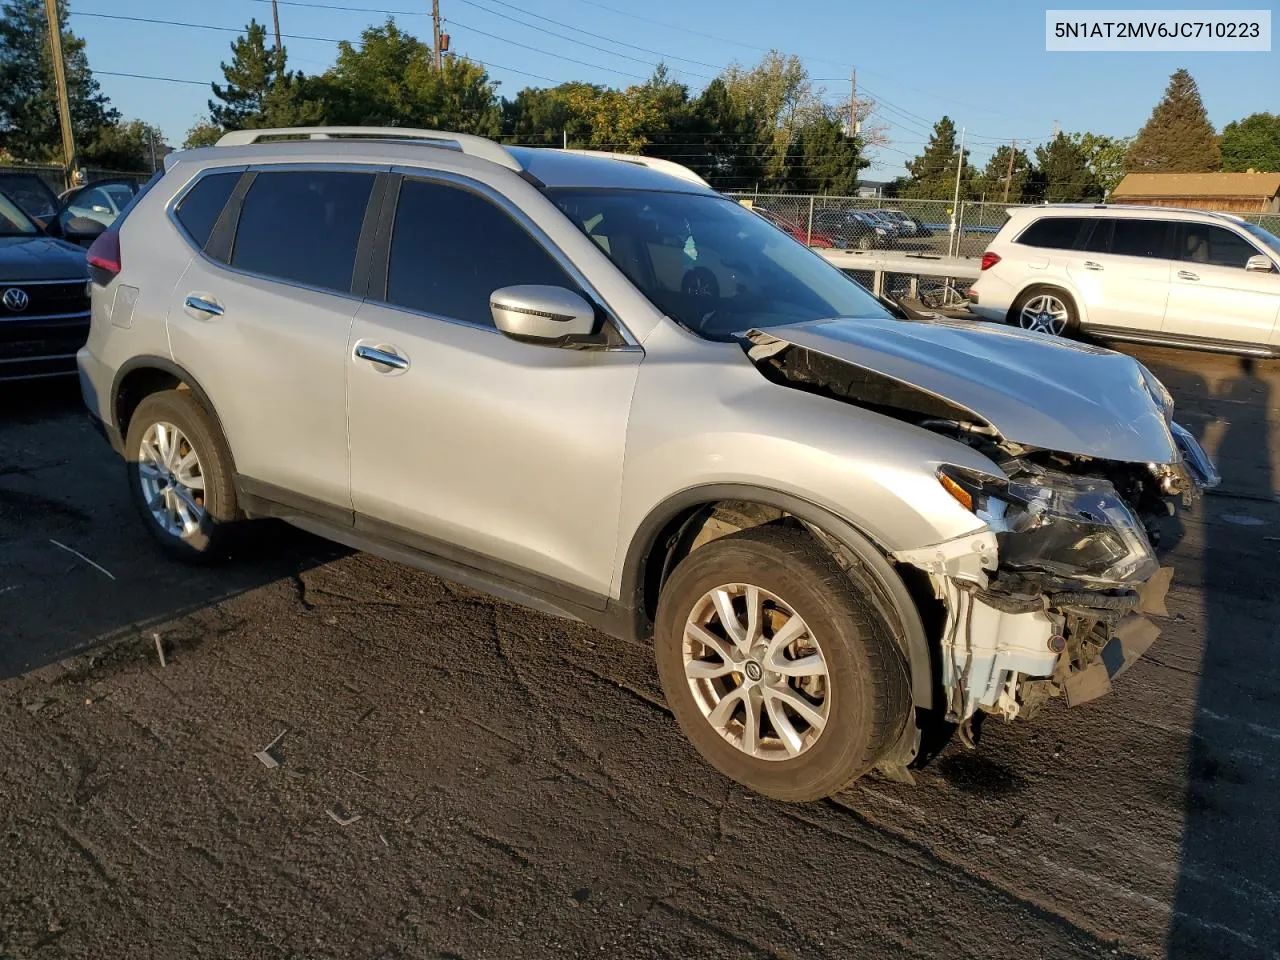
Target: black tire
{"type": "Point", "coordinates": [1072, 328]}
{"type": "Point", "coordinates": [867, 678]}
{"type": "Point", "coordinates": [218, 499]}
{"type": "Point", "coordinates": [866, 242]}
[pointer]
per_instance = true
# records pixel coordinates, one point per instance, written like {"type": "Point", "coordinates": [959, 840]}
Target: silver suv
{"type": "Point", "coordinates": [596, 387]}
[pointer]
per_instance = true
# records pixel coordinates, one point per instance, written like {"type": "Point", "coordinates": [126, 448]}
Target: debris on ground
{"type": "Point", "coordinates": [76, 553]}
{"type": "Point", "coordinates": [340, 816]}
{"type": "Point", "coordinates": [159, 649]}
{"type": "Point", "coordinates": [265, 755]}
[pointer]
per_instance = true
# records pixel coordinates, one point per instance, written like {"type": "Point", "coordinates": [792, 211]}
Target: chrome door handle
{"type": "Point", "coordinates": [384, 357]}
{"type": "Point", "coordinates": [1188, 275]}
{"type": "Point", "coordinates": [201, 305]}
{"type": "Point", "coordinates": [1092, 265]}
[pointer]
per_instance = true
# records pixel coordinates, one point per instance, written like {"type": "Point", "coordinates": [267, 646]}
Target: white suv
{"type": "Point", "coordinates": [1182, 278]}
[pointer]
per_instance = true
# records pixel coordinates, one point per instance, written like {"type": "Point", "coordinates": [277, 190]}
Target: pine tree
{"type": "Point", "coordinates": [1064, 173]}
{"type": "Point", "coordinates": [253, 71]}
{"type": "Point", "coordinates": [1179, 137]}
{"type": "Point", "coordinates": [1252, 144]}
{"type": "Point", "coordinates": [824, 160]}
{"type": "Point", "coordinates": [29, 125]}
{"type": "Point", "coordinates": [991, 185]}
{"type": "Point", "coordinates": [933, 173]}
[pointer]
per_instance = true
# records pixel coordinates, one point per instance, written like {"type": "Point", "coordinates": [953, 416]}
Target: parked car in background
{"type": "Point", "coordinates": [610, 393]}
{"type": "Point", "coordinates": [907, 226]}
{"type": "Point", "coordinates": [44, 304]}
{"type": "Point", "coordinates": [100, 201]}
{"type": "Point", "coordinates": [892, 225]}
{"type": "Point", "coordinates": [1183, 278]}
{"type": "Point", "coordinates": [813, 238]}
{"type": "Point", "coordinates": [852, 229]}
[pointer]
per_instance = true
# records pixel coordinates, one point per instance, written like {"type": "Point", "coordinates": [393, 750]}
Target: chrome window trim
{"type": "Point", "coordinates": [507, 206]}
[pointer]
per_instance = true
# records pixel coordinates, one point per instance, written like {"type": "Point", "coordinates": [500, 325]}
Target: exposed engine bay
{"type": "Point", "coordinates": [1051, 597]}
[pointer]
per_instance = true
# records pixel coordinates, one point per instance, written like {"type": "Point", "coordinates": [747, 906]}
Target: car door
{"type": "Point", "coordinates": [1212, 296]}
{"type": "Point", "coordinates": [501, 455]}
{"type": "Point", "coordinates": [261, 319]}
{"type": "Point", "coordinates": [1121, 269]}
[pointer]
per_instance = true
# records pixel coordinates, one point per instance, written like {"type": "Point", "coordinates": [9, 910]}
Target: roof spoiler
{"type": "Point", "coordinates": [467, 143]}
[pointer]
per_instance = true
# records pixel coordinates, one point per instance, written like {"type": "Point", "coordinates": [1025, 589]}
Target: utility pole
{"type": "Point", "coordinates": [275, 19]}
{"type": "Point", "coordinates": [1008, 177]}
{"type": "Point", "coordinates": [853, 103]}
{"type": "Point", "coordinates": [955, 204]}
{"type": "Point", "coordinates": [435, 32]}
{"type": "Point", "coordinates": [151, 142]}
{"type": "Point", "coordinates": [60, 78]}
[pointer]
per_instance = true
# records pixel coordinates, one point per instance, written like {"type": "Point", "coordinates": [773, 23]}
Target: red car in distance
{"type": "Point", "coordinates": [815, 238]}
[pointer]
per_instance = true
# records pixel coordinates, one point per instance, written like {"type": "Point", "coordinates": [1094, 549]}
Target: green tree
{"type": "Point", "coordinates": [253, 70]}
{"type": "Point", "coordinates": [824, 160]}
{"type": "Point", "coordinates": [779, 94]}
{"type": "Point", "coordinates": [1179, 137]}
{"type": "Point", "coordinates": [1104, 156]}
{"type": "Point", "coordinates": [722, 140]}
{"type": "Point", "coordinates": [545, 115]}
{"type": "Point", "coordinates": [991, 184]}
{"type": "Point", "coordinates": [29, 125]}
{"type": "Point", "coordinates": [1063, 173]}
{"type": "Point", "coordinates": [127, 147]}
{"type": "Point", "coordinates": [933, 172]}
{"type": "Point", "coordinates": [202, 134]}
{"type": "Point", "coordinates": [1252, 144]}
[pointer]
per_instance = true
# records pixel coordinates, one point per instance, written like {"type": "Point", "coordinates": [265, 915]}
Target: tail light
{"type": "Point", "coordinates": [989, 260]}
{"type": "Point", "coordinates": [104, 257]}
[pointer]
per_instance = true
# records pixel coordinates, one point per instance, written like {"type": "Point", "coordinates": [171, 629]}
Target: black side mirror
{"type": "Point", "coordinates": [82, 230]}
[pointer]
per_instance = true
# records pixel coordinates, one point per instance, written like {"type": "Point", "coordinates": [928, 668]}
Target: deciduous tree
{"type": "Point", "coordinates": [1104, 156]}
{"type": "Point", "coordinates": [1252, 144]}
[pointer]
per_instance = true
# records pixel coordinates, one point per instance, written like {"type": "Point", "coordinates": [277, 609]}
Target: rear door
{"type": "Point", "coordinates": [1122, 271]}
{"type": "Point", "coordinates": [261, 317]}
{"type": "Point", "coordinates": [1212, 296]}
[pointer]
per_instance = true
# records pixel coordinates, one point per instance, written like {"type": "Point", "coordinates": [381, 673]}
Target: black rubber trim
{"type": "Point", "coordinates": [167, 366]}
{"type": "Point", "coordinates": [368, 231]}
{"type": "Point", "coordinates": [657, 529]}
{"type": "Point", "coordinates": [1155, 338]}
{"type": "Point", "coordinates": [260, 499]}
{"type": "Point", "coordinates": [221, 240]}
{"type": "Point", "coordinates": [380, 247]}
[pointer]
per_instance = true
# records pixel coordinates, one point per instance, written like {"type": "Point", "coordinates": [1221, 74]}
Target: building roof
{"type": "Point", "coordinates": [1252, 185]}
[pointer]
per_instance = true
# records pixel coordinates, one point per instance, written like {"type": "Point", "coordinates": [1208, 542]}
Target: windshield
{"type": "Point", "coordinates": [13, 222]}
{"type": "Point", "coordinates": [711, 264]}
{"type": "Point", "coordinates": [1265, 236]}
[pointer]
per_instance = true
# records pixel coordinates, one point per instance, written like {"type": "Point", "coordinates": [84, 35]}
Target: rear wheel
{"type": "Point", "coordinates": [180, 475]}
{"type": "Point", "coordinates": [1046, 310]}
{"type": "Point", "coordinates": [776, 667]}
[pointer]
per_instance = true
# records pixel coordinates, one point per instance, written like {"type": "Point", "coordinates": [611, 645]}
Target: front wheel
{"type": "Point", "coordinates": [180, 475]}
{"type": "Point", "coordinates": [777, 668]}
{"type": "Point", "coordinates": [1045, 310]}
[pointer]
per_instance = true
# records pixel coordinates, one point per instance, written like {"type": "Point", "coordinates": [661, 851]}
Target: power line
{"type": "Point", "coordinates": [148, 76]}
{"type": "Point", "coordinates": [558, 56]}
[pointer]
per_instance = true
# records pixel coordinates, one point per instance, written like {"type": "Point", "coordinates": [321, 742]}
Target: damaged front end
{"type": "Point", "coordinates": [1051, 595]}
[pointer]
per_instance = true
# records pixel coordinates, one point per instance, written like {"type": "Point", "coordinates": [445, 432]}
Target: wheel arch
{"type": "Point", "coordinates": [141, 376]}
{"type": "Point", "coordinates": [670, 531]}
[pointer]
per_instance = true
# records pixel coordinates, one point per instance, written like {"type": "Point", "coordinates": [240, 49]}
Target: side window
{"type": "Point", "coordinates": [1058, 233]}
{"type": "Point", "coordinates": [451, 248]}
{"type": "Point", "coordinates": [1215, 246]}
{"type": "Point", "coordinates": [1098, 240]}
{"type": "Point", "coordinates": [1139, 238]}
{"type": "Point", "coordinates": [198, 211]}
{"type": "Point", "coordinates": [303, 226]}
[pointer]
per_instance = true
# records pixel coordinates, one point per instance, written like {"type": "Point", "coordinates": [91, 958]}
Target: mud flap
{"type": "Point", "coordinates": [1129, 641]}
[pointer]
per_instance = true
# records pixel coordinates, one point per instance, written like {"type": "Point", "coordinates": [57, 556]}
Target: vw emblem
{"type": "Point", "coordinates": [16, 299]}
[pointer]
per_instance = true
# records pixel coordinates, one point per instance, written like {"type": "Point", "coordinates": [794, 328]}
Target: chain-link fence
{"type": "Point", "coordinates": [934, 227]}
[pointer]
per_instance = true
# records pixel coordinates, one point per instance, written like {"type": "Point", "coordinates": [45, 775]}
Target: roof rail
{"type": "Point", "coordinates": [467, 143]}
{"type": "Point", "coordinates": [657, 163]}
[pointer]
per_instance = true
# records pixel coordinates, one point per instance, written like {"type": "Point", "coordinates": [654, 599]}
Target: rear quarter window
{"type": "Point", "coordinates": [1056, 233]}
{"type": "Point", "coordinates": [199, 209]}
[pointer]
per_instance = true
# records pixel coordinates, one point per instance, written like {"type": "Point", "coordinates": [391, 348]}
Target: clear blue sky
{"type": "Point", "coordinates": [981, 62]}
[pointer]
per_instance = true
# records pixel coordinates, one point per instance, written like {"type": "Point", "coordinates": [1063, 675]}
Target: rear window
{"type": "Point", "coordinates": [303, 226]}
{"type": "Point", "coordinates": [1058, 233]}
{"type": "Point", "coordinates": [198, 211]}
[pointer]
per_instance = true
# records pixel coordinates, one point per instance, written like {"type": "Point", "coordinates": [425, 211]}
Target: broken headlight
{"type": "Point", "coordinates": [1058, 523]}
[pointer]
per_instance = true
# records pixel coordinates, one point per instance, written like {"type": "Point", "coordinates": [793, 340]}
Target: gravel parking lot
{"type": "Point", "coordinates": [521, 791]}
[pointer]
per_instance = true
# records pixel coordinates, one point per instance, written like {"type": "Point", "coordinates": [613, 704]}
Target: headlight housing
{"type": "Point", "coordinates": [1058, 523]}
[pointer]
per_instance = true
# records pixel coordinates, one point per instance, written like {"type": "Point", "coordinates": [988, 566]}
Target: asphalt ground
{"type": "Point", "coordinates": [462, 778]}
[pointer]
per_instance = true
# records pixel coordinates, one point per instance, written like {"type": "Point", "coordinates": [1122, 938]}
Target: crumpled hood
{"type": "Point", "coordinates": [40, 258]}
{"type": "Point", "coordinates": [1035, 390]}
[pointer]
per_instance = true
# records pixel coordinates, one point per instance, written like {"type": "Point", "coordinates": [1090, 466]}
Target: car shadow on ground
{"type": "Point", "coordinates": [77, 566]}
{"type": "Point", "coordinates": [1230, 857]}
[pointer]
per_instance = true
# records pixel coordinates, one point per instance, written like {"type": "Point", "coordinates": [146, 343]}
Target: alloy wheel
{"type": "Point", "coordinates": [756, 671]}
{"type": "Point", "coordinates": [172, 480]}
{"type": "Point", "coordinates": [1044, 313]}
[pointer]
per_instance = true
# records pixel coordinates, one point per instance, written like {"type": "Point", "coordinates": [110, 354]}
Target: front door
{"type": "Point", "coordinates": [1213, 296]}
{"type": "Point", "coordinates": [500, 455]}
